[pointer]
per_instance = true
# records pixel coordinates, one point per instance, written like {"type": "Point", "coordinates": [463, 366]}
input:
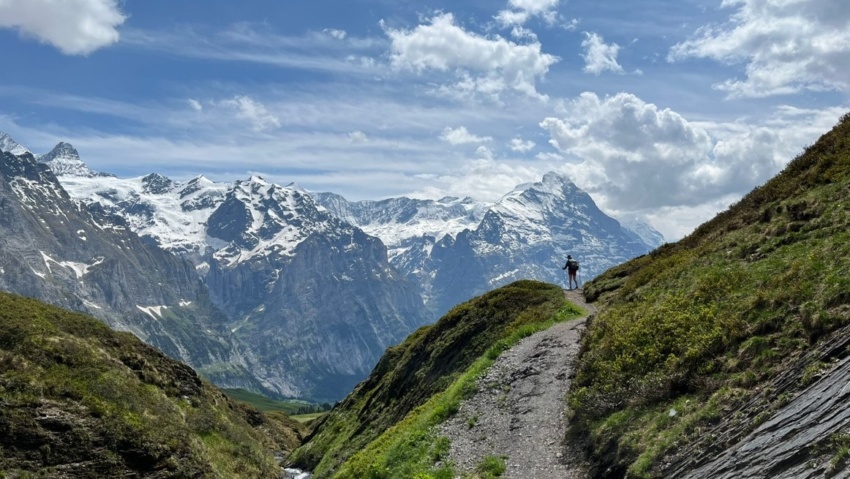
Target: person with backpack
{"type": "Point", "coordinates": [572, 268]}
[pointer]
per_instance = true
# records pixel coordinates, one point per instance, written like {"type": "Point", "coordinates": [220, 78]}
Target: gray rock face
{"type": "Point", "coordinates": [79, 257]}
{"type": "Point", "coordinates": [315, 296]}
{"type": "Point", "coordinates": [784, 446]}
{"type": "Point", "coordinates": [795, 441]}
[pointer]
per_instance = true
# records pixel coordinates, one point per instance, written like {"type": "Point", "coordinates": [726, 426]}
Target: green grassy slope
{"type": "Point", "coordinates": [376, 418]}
{"type": "Point", "coordinates": [80, 400]}
{"type": "Point", "coordinates": [265, 404]}
{"type": "Point", "coordinates": [689, 332]}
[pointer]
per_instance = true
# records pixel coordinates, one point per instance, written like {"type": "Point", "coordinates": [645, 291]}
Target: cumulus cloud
{"type": "Point", "coordinates": [482, 65]}
{"type": "Point", "coordinates": [635, 155]}
{"type": "Point", "coordinates": [75, 27]}
{"type": "Point", "coordinates": [254, 112]}
{"type": "Point", "coordinates": [599, 56]}
{"type": "Point", "coordinates": [460, 136]}
{"type": "Point", "coordinates": [786, 46]}
{"type": "Point", "coordinates": [484, 179]}
{"type": "Point", "coordinates": [643, 156]}
{"type": "Point", "coordinates": [521, 146]}
{"type": "Point", "coordinates": [522, 10]}
{"type": "Point", "coordinates": [483, 152]}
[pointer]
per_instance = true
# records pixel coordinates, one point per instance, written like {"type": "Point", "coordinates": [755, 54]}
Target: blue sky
{"type": "Point", "coordinates": [666, 111]}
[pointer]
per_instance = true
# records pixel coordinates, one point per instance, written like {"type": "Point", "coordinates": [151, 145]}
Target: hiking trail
{"type": "Point", "coordinates": [519, 412]}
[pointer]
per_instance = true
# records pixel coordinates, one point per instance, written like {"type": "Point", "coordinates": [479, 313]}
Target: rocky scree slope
{"type": "Point", "coordinates": [80, 400]}
{"type": "Point", "coordinates": [412, 373]}
{"type": "Point", "coordinates": [79, 257]}
{"type": "Point", "coordinates": [725, 355]}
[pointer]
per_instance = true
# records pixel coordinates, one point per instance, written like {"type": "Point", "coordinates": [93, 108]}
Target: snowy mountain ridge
{"type": "Point", "coordinates": [398, 221]}
{"type": "Point", "coordinates": [455, 249]}
{"type": "Point", "coordinates": [9, 145]}
{"type": "Point", "coordinates": [312, 298]}
{"type": "Point", "coordinates": [235, 221]}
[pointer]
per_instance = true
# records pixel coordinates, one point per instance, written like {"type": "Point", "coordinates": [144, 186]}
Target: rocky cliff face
{"type": "Point", "coordinates": [314, 295]}
{"type": "Point", "coordinates": [79, 257]}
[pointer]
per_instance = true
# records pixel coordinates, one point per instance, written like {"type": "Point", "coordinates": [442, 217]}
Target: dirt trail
{"type": "Point", "coordinates": [518, 412]}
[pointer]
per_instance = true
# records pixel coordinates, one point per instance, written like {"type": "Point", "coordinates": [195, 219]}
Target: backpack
{"type": "Point", "coordinates": [572, 266]}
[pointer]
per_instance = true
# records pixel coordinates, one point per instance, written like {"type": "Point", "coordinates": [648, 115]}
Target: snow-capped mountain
{"type": "Point", "coordinates": [314, 296]}
{"type": "Point", "coordinates": [66, 253]}
{"type": "Point", "coordinates": [528, 234]}
{"type": "Point", "coordinates": [397, 221]}
{"type": "Point", "coordinates": [64, 160]}
{"type": "Point", "coordinates": [643, 231]}
{"type": "Point", "coordinates": [477, 247]}
{"type": "Point", "coordinates": [318, 286]}
{"type": "Point", "coordinates": [172, 215]}
{"type": "Point", "coordinates": [7, 144]}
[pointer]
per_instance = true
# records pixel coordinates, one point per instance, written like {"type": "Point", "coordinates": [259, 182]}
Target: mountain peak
{"type": "Point", "coordinates": [552, 184]}
{"type": "Point", "coordinates": [62, 150]}
{"type": "Point", "coordinates": [257, 179]}
{"type": "Point", "coordinates": [156, 184]}
{"type": "Point", "coordinates": [552, 178]}
{"type": "Point", "coordinates": [9, 145]}
{"type": "Point", "coordinates": [64, 160]}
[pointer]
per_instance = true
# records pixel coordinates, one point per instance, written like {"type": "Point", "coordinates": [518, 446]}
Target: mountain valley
{"type": "Point", "coordinates": [309, 289]}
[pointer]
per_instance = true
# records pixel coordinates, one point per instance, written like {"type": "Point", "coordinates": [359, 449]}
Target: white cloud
{"type": "Point", "coordinates": [483, 65]}
{"type": "Point", "coordinates": [635, 156]}
{"type": "Point", "coordinates": [484, 179]}
{"type": "Point", "coordinates": [483, 152]}
{"type": "Point", "coordinates": [195, 104]}
{"type": "Point", "coordinates": [250, 43]}
{"type": "Point", "coordinates": [75, 27]}
{"type": "Point", "coordinates": [338, 34]}
{"type": "Point", "coordinates": [523, 10]}
{"type": "Point", "coordinates": [599, 56]}
{"type": "Point", "coordinates": [357, 137]}
{"type": "Point", "coordinates": [786, 45]}
{"type": "Point", "coordinates": [253, 111]}
{"type": "Point", "coordinates": [521, 146]}
{"type": "Point", "coordinates": [461, 136]}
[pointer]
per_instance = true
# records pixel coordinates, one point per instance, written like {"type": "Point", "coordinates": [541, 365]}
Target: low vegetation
{"type": "Point", "coordinates": [291, 407]}
{"type": "Point", "coordinates": [689, 331]}
{"type": "Point", "coordinates": [80, 400]}
{"type": "Point", "coordinates": [384, 429]}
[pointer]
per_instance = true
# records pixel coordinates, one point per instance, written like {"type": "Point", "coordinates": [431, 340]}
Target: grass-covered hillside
{"type": "Point", "coordinates": [383, 429]}
{"type": "Point", "coordinates": [80, 400]}
{"type": "Point", "coordinates": [688, 334]}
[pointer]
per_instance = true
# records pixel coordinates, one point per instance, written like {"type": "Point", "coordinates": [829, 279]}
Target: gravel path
{"type": "Point", "coordinates": [518, 412]}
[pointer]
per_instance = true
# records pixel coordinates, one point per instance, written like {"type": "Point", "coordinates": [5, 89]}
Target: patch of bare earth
{"type": "Point", "coordinates": [519, 412]}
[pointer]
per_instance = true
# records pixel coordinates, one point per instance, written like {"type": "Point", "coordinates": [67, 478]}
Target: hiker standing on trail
{"type": "Point", "coordinates": [572, 268]}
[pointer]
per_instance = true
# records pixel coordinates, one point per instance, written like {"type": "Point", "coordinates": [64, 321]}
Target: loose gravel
{"type": "Point", "coordinates": [518, 412]}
